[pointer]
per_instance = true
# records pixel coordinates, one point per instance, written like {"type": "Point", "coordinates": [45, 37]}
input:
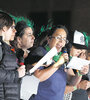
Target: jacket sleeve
{"type": "Point", "coordinates": [0, 51]}
{"type": "Point", "coordinates": [8, 76]}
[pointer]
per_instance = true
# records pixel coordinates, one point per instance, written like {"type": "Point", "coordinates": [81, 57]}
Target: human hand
{"type": "Point", "coordinates": [84, 70]}
{"type": "Point", "coordinates": [21, 70]}
{"type": "Point", "coordinates": [63, 58]}
{"type": "Point", "coordinates": [84, 84]}
{"type": "Point", "coordinates": [82, 55]}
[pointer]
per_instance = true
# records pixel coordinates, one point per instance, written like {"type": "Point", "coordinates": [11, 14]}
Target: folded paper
{"type": "Point", "coordinates": [77, 63]}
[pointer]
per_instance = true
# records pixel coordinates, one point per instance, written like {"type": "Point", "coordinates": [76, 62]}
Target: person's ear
{"type": "Point", "coordinates": [4, 29]}
{"type": "Point", "coordinates": [19, 42]}
{"type": "Point", "coordinates": [18, 39]}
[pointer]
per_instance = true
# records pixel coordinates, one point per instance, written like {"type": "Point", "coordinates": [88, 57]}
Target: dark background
{"type": "Point", "coordinates": [74, 14]}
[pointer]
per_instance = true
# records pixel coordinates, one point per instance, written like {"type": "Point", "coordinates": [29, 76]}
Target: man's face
{"type": "Point", "coordinates": [27, 39]}
{"type": "Point", "coordinates": [77, 52]}
{"type": "Point", "coordinates": [58, 39]}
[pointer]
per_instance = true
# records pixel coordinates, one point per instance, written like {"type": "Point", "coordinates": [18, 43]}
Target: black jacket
{"type": "Point", "coordinates": [9, 81]}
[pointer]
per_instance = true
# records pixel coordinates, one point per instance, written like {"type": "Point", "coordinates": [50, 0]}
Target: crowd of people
{"type": "Point", "coordinates": [55, 81]}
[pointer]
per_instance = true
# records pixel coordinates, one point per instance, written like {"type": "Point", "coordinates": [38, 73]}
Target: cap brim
{"type": "Point", "coordinates": [78, 46]}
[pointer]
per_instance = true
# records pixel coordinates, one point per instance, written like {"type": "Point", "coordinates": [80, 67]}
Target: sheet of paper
{"type": "Point", "coordinates": [29, 86]}
{"type": "Point", "coordinates": [48, 56]}
{"type": "Point", "coordinates": [77, 63]}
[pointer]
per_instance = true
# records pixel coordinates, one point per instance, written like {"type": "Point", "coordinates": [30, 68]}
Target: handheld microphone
{"type": "Point", "coordinates": [20, 57]}
{"type": "Point", "coordinates": [65, 51]}
{"type": "Point", "coordinates": [19, 54]}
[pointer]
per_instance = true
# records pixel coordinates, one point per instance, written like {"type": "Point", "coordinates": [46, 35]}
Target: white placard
{"type": "Point", "coordinates": [77, 63]}
{"type": "Point", "coordinates": [48, 56]}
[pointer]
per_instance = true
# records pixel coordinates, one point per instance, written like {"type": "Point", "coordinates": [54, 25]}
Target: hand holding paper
{"type": "Point", "coordinates": [77, 63]}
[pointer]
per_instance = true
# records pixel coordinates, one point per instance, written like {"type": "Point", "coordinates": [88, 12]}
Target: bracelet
{"type": "Point", "coordinates": [75, 88]}
{"type": "Point", "coordinates": [79, 73]}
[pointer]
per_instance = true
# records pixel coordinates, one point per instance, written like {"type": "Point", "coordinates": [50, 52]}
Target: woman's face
{"type": "Point", "coordinates": [9, 33]}
{"type": "Point", "coordinates": [58, 39]}
{"type": "Point", "coordinates": [27, 40]}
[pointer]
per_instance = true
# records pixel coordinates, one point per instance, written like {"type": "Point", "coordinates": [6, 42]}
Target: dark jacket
{"type": "Point", "coordinates": [9, 81]}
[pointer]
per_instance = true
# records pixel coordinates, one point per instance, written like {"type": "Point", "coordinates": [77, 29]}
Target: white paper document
{"type": "Point", "coordinates": [77, 63]}
{"type": "Point", "coordinates": [48, 56]}
{"type": "Point", "coordinates": [29, 86]}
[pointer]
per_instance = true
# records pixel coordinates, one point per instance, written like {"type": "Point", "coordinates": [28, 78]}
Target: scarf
{"type": "Point", "coordinates": [57, 56]}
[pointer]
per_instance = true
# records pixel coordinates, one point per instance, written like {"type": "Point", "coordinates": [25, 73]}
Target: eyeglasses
{"type": "Point", "coordinates": [12, 27]}
{"type": "Point", "coordinates": [59, 38]}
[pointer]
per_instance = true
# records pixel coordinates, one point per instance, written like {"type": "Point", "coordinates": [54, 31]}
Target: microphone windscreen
{"type": "Point", "coordinates": [64, 50]}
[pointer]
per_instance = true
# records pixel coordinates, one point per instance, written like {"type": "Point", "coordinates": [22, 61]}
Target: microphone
{"type": "Point", "coordinates": [64, 50]}
{"type": "Point", "coordinates": [19, 54]}
{"type": "Point", "coordinates": [20, 57]}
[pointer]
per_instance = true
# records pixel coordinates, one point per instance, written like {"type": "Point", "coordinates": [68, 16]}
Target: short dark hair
{"type": "Point", "coordinates": [20, 28]}
{"type": "Point", "coordinates": [51, 32]}
{"type": "Point", "coordinates": [5, 20]}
